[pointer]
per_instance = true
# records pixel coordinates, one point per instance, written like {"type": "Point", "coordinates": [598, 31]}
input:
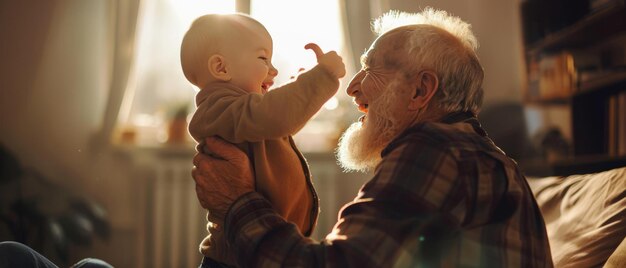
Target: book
{"type": "Point", "coordinates": [557, 76]}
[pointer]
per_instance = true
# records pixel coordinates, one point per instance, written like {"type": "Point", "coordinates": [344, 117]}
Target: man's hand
{"type": "Point", "coordinates": [331, 60]}
{"type": "Point", "coordinates": [222, 175]}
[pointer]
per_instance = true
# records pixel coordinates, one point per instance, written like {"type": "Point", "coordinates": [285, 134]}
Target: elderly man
{"type": "Point", "coordinates": [442, 193]}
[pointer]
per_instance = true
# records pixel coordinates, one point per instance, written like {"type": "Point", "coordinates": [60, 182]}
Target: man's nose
{"type": "Point", "coordinates": [355, 84]}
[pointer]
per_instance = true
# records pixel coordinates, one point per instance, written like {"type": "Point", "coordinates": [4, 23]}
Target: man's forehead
{"type": "Point", "coordinates": [380, 52]}
{"type": "Point", "coordinates": [369, 54]}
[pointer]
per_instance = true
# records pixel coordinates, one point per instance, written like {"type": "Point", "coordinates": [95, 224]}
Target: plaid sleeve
{"type": "Point", "coordinates": [396, 220]}
{"type": "Point", "coordinates": [420, 176]}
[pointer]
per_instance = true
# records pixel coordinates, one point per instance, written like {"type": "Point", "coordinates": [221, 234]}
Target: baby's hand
{"type": "Point", "coordinates": [331, 60]}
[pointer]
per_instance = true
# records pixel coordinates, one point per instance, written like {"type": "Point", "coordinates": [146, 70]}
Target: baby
{"type": "Point", "coordinates": [229, 58]}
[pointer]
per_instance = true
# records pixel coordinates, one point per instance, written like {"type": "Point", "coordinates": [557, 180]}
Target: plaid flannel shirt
{"type": "Point", "coordinates": [443, 196]}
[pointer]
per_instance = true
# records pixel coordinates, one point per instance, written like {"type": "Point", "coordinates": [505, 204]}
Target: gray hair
{"type": "Point", "coordinates": [446, 44]}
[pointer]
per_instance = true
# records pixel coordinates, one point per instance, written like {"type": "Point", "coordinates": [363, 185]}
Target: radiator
{"type": "Point", "coordinates": [175, 222]}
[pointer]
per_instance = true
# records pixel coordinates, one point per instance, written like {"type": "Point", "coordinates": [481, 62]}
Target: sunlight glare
{"type": "Point", "coordinates": [194, 8]}
{"type": "Point", "coordinates": [144, 120]}
{"type": "Point", "coordinates": [291, 31]}
{"type": "Point", "coordinates": [332, 104]}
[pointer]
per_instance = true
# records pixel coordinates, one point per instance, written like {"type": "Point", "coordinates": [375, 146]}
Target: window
{"type": "Point", "coordinates": [160, 89]}
{"type": "Point", "coordinates": [157, 88]}
{"type": "Point", "coordinates": [291, 31]}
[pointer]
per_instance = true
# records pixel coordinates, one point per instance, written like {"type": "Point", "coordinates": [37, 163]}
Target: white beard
{"type": "Point", "coordinates": [361, 144]}
{"type": "Point", "coordinates": [353, 152]}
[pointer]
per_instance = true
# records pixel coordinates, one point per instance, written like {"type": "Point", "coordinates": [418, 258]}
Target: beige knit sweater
{"type": "Point", "coordinates": [262, 126]}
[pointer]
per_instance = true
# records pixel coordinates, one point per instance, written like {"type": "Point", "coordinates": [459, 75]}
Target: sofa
{"type": "Point", "coordinates": [585, 217]}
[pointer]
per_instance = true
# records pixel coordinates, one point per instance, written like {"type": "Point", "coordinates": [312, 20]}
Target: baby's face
{"type": "Point", "coordinates": [250, 60]}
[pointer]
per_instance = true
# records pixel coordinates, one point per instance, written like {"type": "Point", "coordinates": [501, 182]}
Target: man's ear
{"type": "Point", "coordinates": [427, 84]}
{"type": "Point", "coordinates": [217, 68]}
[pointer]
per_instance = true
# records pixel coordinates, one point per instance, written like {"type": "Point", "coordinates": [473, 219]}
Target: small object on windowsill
{"type": "Point", "coordinates": [177, 131]}
{"type": "Point", "coordinates": [128, 135]}
{"type": "Point", "coordinates": [176, 125]}
{"type": "Point", "coordinates": [133, 140]}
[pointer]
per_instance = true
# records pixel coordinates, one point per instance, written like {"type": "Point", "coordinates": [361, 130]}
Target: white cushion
{"type": "Point", "coordinates": [585, 215]}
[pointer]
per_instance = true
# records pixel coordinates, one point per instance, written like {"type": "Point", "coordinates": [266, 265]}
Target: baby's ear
{"type": "Point", "coordinates": [217, 68]}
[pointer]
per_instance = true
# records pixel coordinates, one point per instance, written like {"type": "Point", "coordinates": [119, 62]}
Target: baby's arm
{"type": "Point", "coordinates": [280, 112]}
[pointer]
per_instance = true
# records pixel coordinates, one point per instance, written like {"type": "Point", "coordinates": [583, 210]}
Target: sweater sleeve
{"type": "Point", "coordinates": [249, 117]}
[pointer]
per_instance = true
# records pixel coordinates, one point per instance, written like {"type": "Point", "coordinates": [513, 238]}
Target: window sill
{"type": "Point", "coordinates": [165, 150]}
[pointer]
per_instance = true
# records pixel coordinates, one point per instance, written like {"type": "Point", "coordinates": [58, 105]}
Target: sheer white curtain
{"type": "Point", "coordinates": [124, 21]}
{"type": "Point", "coordinates": [357, 16]}
{"type": "Point", "coordinates": [157, 88]}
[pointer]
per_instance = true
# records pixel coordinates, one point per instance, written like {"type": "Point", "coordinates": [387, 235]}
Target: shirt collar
{"type": "Point", "coordinates": [451, 118]}
{"type": "Point", "coordinates": [464, 117]}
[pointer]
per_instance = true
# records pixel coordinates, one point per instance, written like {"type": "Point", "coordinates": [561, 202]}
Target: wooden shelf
{"type": "Point", "coordinates": [610, 80]}
{"type": "Point", "coordinates": [591, 126]}
{"type": "Point", "coordinates": [609, 83]}
{"type": "Point", "coordinates": [539, 167]}
{"type": "Point", "coordinates": [594, 27]}
{"type": "Point", "coordinates": [587, 164]}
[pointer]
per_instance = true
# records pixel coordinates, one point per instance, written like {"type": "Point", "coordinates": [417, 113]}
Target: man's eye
{"type": "Point", "coordinates": [263, 58]}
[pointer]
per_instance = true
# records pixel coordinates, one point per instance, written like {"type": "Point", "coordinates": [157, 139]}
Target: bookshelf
{"type": "Point", "coordinates": [575, 56]}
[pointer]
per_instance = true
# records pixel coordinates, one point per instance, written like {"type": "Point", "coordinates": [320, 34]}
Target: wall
{"type": "Point", "coordinates": [496, 24]}
{"type": "Point", "coordinates": [54, 98]}
{"type": "Point", "coordinates": [54, 78]}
